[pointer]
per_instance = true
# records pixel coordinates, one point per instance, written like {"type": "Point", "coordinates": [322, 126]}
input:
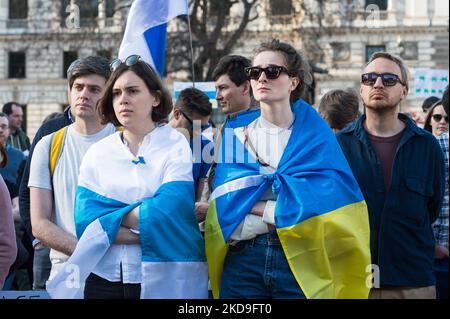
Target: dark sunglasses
{"type": "Point", "coordinates": [271, 72]}
{"type": "Point", "coordinates": [388, 79]}
{"type": "Point", "coordinates": [438, 117]}
{"type": "Point", "coordinates": [131, 60]}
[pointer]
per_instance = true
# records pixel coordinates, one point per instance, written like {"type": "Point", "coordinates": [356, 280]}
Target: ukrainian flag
{"type": "Point", "coordinates": [321, 216]}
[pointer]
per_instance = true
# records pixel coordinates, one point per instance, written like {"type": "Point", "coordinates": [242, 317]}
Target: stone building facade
{"type": "Point", "coordinates": [39, 39]}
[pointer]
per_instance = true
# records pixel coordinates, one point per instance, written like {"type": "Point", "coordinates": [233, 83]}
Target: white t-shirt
{"type": "Point", "coordinates": [65, 178]}
{"type": "Point", "coordinates": [270, 142]}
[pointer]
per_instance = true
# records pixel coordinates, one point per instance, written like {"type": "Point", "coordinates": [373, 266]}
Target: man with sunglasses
{"type": "Point", "coordinates": [52, 190]}
{"type": "Point", "coordinates": [400, 170]}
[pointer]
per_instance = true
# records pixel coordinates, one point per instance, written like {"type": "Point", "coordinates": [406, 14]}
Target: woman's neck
{"type": "Point", "coordinates": [135, 135]}
{"type": "Point", "coordinates": [279, 114]}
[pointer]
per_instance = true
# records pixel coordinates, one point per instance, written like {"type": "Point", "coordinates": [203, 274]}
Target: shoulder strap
{"type": "Point", "coordinates": [56, 148]}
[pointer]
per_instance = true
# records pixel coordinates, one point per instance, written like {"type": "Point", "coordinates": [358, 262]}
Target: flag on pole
{"type": "Point", "coordinates": [146, 29]}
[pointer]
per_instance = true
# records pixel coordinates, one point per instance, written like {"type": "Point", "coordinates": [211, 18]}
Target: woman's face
{"type": "Point", "coordinates": [272, 90]}
{"type": "Point", "coordinates": [132, 101]}
{"type": "Point", "coordinates": [439, 124]}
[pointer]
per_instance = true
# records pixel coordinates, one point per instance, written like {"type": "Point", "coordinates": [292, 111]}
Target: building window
{"type": "Point", "coordinates": [220, 8]}
{"type": "Point", "coordinates": [16, 65]}
{"type": "Point", "coordinates": [409, 50]}
{"type": "Point", "coordinates": [281, 7]}
{"type": "Point", "coordinates": [68, 58]}
{"type": "Point", "coordinates": [381, 4]}
{"type": "Point", "coordinates": [18, 9]}
{"type": "Point", "coordinates": [371, 49]}
{"type": "Point", "coordinates": [88, 12]}
{"type": "Point", "coordinates": [341, 51]}
{"type": "Point", "coordinates": [110, 8]}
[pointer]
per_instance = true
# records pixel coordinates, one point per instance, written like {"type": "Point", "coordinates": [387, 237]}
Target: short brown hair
{"type": "Point", "coordinates": [154, 84]}
{"type": "Point", "coordinates": [296, 64]}
{"type": "Point", "coordinates": [397, 60]}
{"type": "Point", "coordinates": [339, 108]}
{"type": "Point", "coordinates": [192, 100]}
{"type": "Point", "coordinates": [86, 66]}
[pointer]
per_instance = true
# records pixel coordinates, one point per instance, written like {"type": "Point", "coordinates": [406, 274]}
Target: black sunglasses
{"type": "Point", "coordinates": [438, 117]}
{"type": "Point", "coordinates": [271, 72]}
{"type": "Point", "coordinates": [388, 79]}
{"type": "Point", "coordinates": [131, 60]}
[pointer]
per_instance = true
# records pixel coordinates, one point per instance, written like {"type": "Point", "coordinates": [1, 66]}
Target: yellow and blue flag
{"type": "Point", "coordinates": [321, 216]}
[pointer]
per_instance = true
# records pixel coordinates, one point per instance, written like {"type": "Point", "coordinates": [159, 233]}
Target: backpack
{"type": "Point", "coordinates": [56, 148]}
{"type": "Point", "coordinates": [57, 145]}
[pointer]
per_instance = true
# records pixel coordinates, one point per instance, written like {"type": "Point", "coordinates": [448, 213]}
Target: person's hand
{"type": "Point", "coordinates": [440, 252]}
{"type": "Point", "coordinates": [258, 209]}
{"type": "Point", "coordinates": [38, 246]}
{"type": "Point", "coordinates": [201, 208]}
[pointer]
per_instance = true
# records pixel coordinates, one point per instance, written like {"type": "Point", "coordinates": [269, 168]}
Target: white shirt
{"type": "Point", "coordinates": [65, 178]}
{"type": "Point", "coordinates": [109, 164]}
{"type": "Point", "coordinates": [270, 142]}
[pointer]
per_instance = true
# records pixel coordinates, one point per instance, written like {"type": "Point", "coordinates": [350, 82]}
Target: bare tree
{"type": "Point", "coordinates": [214, 33]}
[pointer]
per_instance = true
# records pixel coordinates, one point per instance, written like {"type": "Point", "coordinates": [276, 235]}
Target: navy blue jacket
{"type": "Point", "coordinates": [24, 193]}
{"type": "Point", "coordinates": [401, 237]}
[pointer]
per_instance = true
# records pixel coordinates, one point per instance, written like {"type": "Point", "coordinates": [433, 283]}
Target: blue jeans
{"type": "Point", "coordinates": [258, 269]}
{"type": "Point", "coordinates": [441, 274]}
{"type": "Point", "coordinates": [41, 268]}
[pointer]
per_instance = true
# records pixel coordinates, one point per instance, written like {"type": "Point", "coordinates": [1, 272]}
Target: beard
{"type": "Point", "coordinates": [382, 106]}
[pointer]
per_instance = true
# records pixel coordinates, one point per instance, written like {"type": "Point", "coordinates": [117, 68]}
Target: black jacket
{"type": "Point", "coordinates": [24, 193]}
{"type": "Point", "coordinates": [401, 237]}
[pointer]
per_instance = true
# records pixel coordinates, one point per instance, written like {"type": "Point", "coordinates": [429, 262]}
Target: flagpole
{"type": "Point", "coordinates": [192, 49]}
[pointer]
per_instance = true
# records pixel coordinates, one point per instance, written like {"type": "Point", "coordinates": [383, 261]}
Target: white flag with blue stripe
{"type": "Point", "coordinates": [173, 262]}
{"type": "Point", "coordinates": [145, 32]}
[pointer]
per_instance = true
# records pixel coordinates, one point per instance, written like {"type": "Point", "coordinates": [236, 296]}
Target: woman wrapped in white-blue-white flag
{"type": "Point", "coordinates": [134, 207]}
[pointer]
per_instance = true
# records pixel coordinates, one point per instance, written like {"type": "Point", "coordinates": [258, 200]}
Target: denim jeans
{"type": "Point", "coordinates": [258, 269]}
{"type": "Point", "coordinates": [441, 273]}
{"type": "Point", "coordinates": [97, 287]}
{"type": "Point", "coordinates": [41, 268]}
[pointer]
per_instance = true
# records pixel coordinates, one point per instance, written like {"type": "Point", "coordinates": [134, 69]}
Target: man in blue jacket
{"type": "Point", "coordinates": [400, 170]}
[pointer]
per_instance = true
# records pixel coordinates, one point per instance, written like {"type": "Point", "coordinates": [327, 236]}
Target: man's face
{"type": "Point", "coordinates": [4, 129]}
{"type": "Point", "coordinates": [378, 96]}
{"type": "Point", "coordinates": [232, 98]}
{"type": "Point", "coordinates": [83, 96]}
{"type": "Point", "coordinates": [16, 117]}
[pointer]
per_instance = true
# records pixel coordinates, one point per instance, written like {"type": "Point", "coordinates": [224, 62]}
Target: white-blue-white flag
{"type": "Point", "coordinates": [145, 32]}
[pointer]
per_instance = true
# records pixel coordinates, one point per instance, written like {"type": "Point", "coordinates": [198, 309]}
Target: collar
{"type": "Point", "coordinates": [358, 130]}
{"type": "Point", "coordinates": [357, 126]}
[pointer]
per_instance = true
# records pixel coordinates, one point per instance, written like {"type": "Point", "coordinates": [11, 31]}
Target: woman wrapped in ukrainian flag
{"type": "Point", "coordinates": [286, 217]}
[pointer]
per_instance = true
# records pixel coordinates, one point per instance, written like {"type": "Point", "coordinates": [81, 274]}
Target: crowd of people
{"type": "Point", "coordinates": [125, 195]}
